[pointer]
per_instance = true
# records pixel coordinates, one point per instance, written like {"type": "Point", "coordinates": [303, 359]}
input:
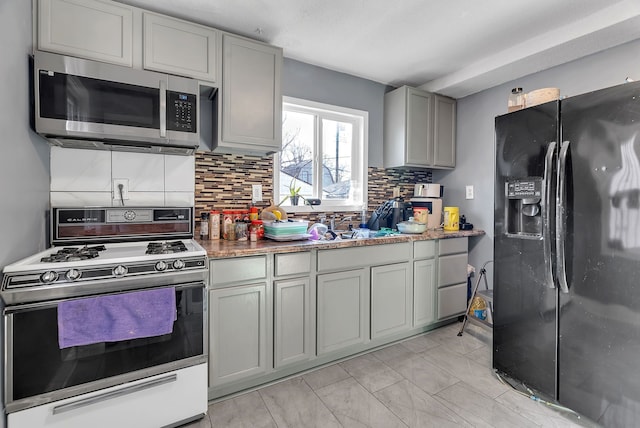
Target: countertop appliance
{"type": "Point", "coordinates": [389, 214]}
{"type": "Point", "coordinates": [107, 256]}
{"type": "Point", "coordinates": [567, 252]}
{"type": "Point", "coordinates": [89, 104]}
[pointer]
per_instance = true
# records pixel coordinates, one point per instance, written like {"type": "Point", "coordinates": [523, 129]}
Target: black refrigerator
{"type": "Point", "coordinates": [567, 252]}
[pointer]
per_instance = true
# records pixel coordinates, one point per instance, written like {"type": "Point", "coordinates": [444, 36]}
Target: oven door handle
{"type": "Point", "coordinates": [78, 404]}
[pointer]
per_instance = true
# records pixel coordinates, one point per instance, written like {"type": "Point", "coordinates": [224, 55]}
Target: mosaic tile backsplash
{"type": "Point", "coordinates": [223, 181]}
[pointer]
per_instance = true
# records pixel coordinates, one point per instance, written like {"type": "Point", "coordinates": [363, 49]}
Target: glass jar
{"type": "Point", "coordinates": [214, 224]}
{"type": "Point", "coordinates": [241, 231]}
{"type": "Point", "coordinates": [516, 100]}
{"type": "Point", "coordinates": [227, 224]}
{"type": "Point", "coordinates": [258, 228]}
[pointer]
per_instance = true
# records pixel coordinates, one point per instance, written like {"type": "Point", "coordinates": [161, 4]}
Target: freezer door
{"type": "Point", "coordinates": [524, 331]}
{"type": "Point", "coordinates": [599, 346]}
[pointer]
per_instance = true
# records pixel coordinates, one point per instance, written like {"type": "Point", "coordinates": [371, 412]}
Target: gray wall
{"type": "Point", "coordinates": [301, 80]}
{"type": "Point", "coordinates": [24, 157]}
{"type": "Point", "coordinates": [475, 139]}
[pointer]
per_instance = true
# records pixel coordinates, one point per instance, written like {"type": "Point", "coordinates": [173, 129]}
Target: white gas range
{"type": "Point", "coordinates": [109, 262]}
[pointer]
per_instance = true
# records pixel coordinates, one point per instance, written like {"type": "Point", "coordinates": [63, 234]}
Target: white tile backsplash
{"type": "Point", "coordinates": [85, 178]}
{"type": "Point", "coordinates": [141, 199]}
{"type": "Point", "coordinates": [179, 173]}
{"type": "Point", "coordinates": [80, 199]}
{"type": "Point", "coordinates": [145, 171]}
{"type": "Point", "coordinates": [80, 170]}
{"type": "Point", "coordinates": [179, 199]}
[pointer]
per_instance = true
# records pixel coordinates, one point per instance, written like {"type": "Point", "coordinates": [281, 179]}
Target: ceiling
{"type": "Point", "coordinates": [453, 47]}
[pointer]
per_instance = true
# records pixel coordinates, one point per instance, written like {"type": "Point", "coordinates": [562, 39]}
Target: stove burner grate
{"type": "Point", "coordinates": [166, 247]}
{"type": "Point", "coordinates": [70, 254]}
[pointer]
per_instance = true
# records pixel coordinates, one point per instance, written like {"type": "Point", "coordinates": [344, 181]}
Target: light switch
{"type": "Point", "coordinates": [256, 192]}
{"type": "Point", "coordinates": [469, 192]}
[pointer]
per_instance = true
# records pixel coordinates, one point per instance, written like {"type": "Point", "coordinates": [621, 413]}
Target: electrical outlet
{"type": "Point", "coordinates": [469, 192]}
{"type": "Point", "coordinates": [256, 192]}
{"type": "Point", "coordinates": [116, 189]}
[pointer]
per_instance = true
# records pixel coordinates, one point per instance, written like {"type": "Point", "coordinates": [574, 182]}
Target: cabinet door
{"type": "Point", "coordinates": [452, 301]}
{"type": "Point", "coordinates": [179, 47]}
{"type": "Point", "coordinates": [87, 28]}
{"type": "Point", "coordinates": [444, 132]}
{"type": "Point", "coordinates": [343, 303]}
{"type": "Point", "coordinates": [390, 299]}
{"type": "Point", "coordinates": [238, 333]}
{"type": "Point", "coordinates": [452, 269]}
{"type": "Point", "coordinates": [251, 95]}
{"type": "Point", "coordinates": [419, 128]}
{"type": "Point", "coordinates": [293, 336]}
{"type": "Point", "coordinates": [424, 292]}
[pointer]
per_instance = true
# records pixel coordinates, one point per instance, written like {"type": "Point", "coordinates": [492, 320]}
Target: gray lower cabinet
{"type": "Point", "coordinates": [424, 292]}
{"type": "Point", "coordinates": [452, 277]}
{"type": "Point", "coordinates": [391, 298]}
{"type": "Point", "coordinates": [342, 310]}
{"type": "Point", "coordinates": [293, 324]}
{"type": "Point", "coordinates": [238, 322]}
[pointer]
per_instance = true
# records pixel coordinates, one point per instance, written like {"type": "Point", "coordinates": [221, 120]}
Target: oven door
{"type": "Point", "coordinates": [37, 371]}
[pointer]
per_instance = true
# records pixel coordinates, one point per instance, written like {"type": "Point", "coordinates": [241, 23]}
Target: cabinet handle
{"type": "Point", "coordinates": [84, 402]}
{"type": "Point", "coordinates": [163, 108]}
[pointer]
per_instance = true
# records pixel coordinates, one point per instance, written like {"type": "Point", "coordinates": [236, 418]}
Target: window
{"type": "Point", "coordinates": [324, 156]}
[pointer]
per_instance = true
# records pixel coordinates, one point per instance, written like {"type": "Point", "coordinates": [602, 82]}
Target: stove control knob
{"type": "Point", "coordinates": [178, 264]}
{"type": "Point", "coordinates": [49, 276]}
{"type": "Point", "coordinates": [161, 266]}
{"type": "Point", "coordinates": [120, 270]}
{"type": "Point", "coordinates": [73, 274]}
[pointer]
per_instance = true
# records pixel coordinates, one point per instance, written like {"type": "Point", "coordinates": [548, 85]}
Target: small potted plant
{"type": "Point", "coordinates": [294, 192]}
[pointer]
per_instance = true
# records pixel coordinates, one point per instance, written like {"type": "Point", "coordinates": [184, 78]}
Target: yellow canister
{"type": "Point", "coordinates": [451, 218]}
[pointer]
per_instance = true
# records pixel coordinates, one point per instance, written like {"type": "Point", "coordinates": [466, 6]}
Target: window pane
{"type": "Point", "coordinates": [337, 139]}
{"type": "Point", "coordinates": [296, 158]}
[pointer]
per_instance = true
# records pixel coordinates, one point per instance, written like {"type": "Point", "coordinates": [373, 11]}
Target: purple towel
{"type": "Point", "coordinates": [116, 317]}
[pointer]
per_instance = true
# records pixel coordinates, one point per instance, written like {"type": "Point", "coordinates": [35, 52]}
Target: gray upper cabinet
{"type": "Point", "coordinates": [179, 47]}
{"type": "Point", "coordinates": [419, 129]}
{"type": "Point", "coordinates": [251, 113]}
{"type": "Point", "coordinates": [90, 29]}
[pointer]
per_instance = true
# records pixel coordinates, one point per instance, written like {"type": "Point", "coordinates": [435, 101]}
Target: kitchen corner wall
{"type": "Point", "coordinates": [223, 181]}
{"type": "Point", "coordinates": [85, 178]}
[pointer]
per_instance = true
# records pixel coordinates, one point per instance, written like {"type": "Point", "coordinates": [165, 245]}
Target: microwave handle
{"type": "Point", "coordinates": [163, 109]}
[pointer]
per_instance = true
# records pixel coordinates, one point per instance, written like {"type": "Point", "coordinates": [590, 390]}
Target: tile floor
{"type": "Point", "coordinates": [436, 379]}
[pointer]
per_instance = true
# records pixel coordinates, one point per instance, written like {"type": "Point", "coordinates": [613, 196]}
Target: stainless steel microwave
{"type": "Point", "coordinates": [89, 104]}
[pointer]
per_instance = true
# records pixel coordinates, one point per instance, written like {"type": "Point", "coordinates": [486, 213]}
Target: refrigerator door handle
{"type": "Point", "coordinates": [560, 217]}
{"type": "Point", "coordinates": [546, 214]}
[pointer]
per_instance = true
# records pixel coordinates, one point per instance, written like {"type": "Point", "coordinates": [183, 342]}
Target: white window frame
{"type": "Point", "coordinates": [359, 165]}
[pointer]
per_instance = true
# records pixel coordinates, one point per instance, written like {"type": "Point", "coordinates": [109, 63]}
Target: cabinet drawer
{"type": "Point", "coordinates": [452, 300]}
{"type": "Point", "coordinates": [424, 249]}
{"type": "Point", "coordinates": [245, 269]}
{"type": "Point", "coordinates": [452, 269]}
{"type": "Point", "coordinates": [347, 258]}
{"type": "Point", "coordinates": [452, 246]}
{"type": "Point", "coordinates": [291, 264]}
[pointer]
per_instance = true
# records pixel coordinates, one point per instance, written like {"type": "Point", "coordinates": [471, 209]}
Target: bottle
{"type": "Point", "coordinates": [214, 224]}
{"type": "Point", "coordinates": [227, 223]}
{"type": "Point", "coordinates": [516, 100]}
{"type": "Point", "coordinates": [253, 213]}
{"type": "Point", "coordinates": [204, 226]}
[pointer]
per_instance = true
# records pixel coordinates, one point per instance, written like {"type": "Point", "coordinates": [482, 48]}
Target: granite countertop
{"type": "Point", "coordinates": [221, 248]}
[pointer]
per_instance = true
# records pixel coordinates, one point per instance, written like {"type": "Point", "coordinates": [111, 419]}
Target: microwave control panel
{"type": "Point", "coordinates": [181, 112]}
